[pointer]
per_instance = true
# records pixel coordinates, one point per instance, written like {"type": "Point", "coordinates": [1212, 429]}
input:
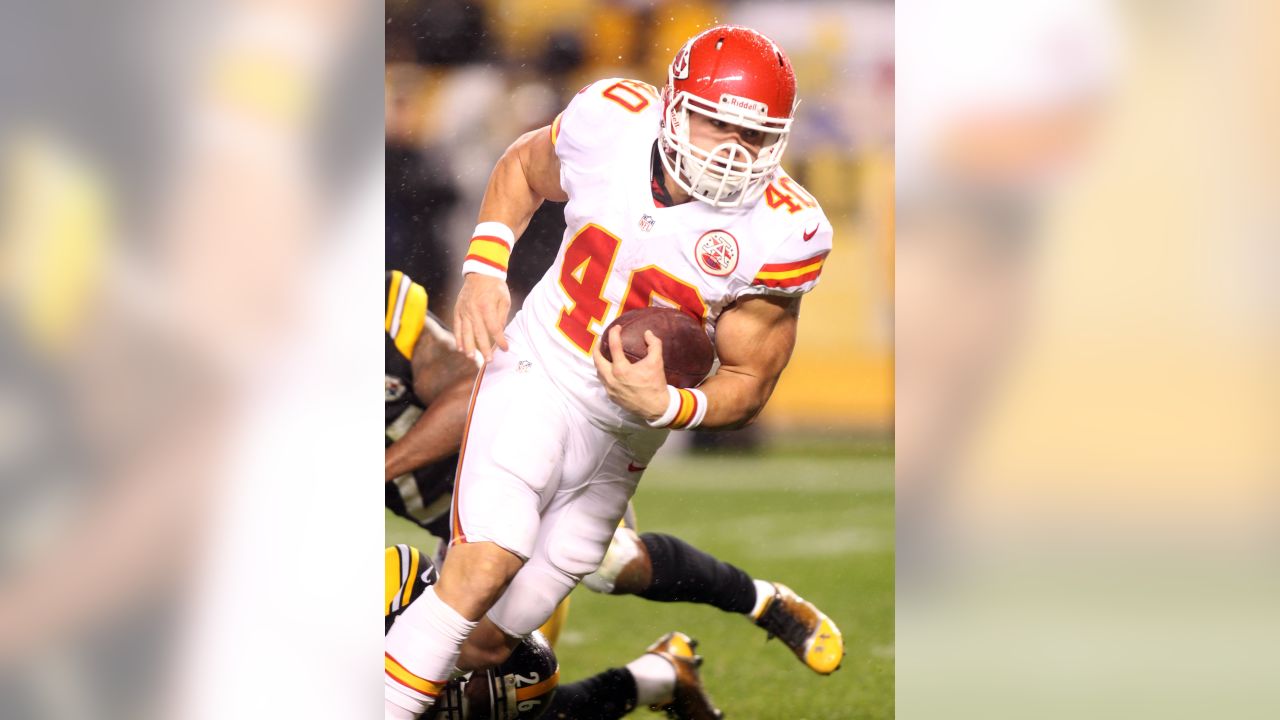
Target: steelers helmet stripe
{"type": "Point", "coordinates": [406, 578]}
{"type": "Point", "coordinates": [397, 570]}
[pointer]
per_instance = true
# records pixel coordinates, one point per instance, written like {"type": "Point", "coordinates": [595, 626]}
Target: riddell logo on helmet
{"type": "Point", "coordinates": [680, 66]}
{"type": "Point", "coordinates": [741, 104]}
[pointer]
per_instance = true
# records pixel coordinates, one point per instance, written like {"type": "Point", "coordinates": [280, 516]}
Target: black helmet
{"type": "Point", "coordinates": [519, 689]}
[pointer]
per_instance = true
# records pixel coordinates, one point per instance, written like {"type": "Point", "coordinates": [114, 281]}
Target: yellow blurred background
{"type": "Point", "coordinates": [1087, 348]}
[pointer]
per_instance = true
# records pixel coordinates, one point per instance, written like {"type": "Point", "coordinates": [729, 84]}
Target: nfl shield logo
{"type": "Point", "coordinates": [716, 253]}
{"type": "Point", "coordinates": [646, 222]}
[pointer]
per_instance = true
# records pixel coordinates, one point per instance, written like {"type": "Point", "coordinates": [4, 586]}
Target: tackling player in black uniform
{"type": "Point", "coordinates": [428, 384]}
{"type": "Point", "coordinates": [526, 685]}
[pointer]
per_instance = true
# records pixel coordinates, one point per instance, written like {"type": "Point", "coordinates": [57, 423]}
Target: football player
{"type": "Point", "coordinates": [673, 198]}
{"type": "Point", "coordinates": [524, 686]}
{"type": "Point", "coordinates": [427, 388]}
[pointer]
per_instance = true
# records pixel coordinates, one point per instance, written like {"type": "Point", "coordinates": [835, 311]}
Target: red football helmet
{"type": "Point", "coordinates": [736, 75]}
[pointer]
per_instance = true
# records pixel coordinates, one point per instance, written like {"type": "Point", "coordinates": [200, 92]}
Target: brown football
{"type": "Point", "coordinates": [686, 350]}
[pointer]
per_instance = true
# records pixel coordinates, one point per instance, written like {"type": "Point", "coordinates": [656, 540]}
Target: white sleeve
{"type": "Point", "coordinates": [589, 128]}
{"type": "Point", "coordinates": [795, 265]}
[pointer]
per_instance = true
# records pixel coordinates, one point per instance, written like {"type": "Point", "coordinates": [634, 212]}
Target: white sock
{"type": "Point", "coordinates": [424, 641]}
{"type": "Point", "coordinates": [392, 711]}
{"type": "Point", "coordinates": [655, 679]}
{"type": "Point", "coordinates": [764, 591]}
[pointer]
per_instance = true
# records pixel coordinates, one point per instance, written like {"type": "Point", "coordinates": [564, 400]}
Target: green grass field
{"type": "Point", "coordinates": [821, 523]}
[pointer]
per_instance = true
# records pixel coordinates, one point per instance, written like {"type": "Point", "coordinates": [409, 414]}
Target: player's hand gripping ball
{"type": "Point", "coordinates": [686, 350]}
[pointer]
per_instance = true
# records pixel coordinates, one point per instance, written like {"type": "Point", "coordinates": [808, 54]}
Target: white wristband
{"type": "Point", "coordinates": [686, 408]}
{"type": "Point", "coordinates": [490, 250]}
{"type": "Point", "coordinates": [673, 405]}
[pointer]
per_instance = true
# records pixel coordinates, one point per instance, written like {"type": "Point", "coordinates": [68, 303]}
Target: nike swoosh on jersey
{"type": "Point", "coordinates": [632, 467]}
{"type": "Point", "coordinates": [809, 235]}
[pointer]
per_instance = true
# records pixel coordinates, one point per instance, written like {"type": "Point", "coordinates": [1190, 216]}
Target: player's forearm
{"type": "Point", "coordinates": [435, 436]}
{"type": "Point", "coordinates": [734, 400]}
{"type": "Point", "coordinates": [754, 341]}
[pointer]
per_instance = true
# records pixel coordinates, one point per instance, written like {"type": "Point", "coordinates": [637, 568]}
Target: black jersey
{"type": "Point", "coordinates": [424, 495]}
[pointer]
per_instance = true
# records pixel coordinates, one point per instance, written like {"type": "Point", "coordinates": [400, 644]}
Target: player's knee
{"type": "Point", "coordinates": [488, 574]}
{"type": "Point", "coordinates": [626, 568]}
{"type": "Point", "coordinates": [474, 577]}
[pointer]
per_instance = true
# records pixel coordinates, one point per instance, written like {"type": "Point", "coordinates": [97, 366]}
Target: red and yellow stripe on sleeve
{"type": "Point", "coordinates": [792, 274]}
{"type": "Point", "coordinates": [490, 250]}
{"type": "Point", "coordinates": [555, 129]}
{"type": "Point", "coordinates": [397, 672]}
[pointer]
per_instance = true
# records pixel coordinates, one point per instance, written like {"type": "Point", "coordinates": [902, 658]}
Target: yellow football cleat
{"type": "Point", "coordinates": [810, 634]}
{"type": "Point", "coordinates": [691, 701]}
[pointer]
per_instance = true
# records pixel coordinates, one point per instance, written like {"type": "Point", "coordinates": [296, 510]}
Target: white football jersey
{"type": "Point", "coordinates": [621, 252]}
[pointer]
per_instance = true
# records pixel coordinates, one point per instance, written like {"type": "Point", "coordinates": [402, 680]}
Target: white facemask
{"type": "Point", "coordinates": [725, 176]}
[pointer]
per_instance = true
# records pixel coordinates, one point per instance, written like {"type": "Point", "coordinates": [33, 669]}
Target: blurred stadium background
{"type": "Point", "coordinates": [805, 497]}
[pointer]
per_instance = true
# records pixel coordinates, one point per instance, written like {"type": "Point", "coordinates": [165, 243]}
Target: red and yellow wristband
{"type": "Point", "coordinates": [490, 250]}
{"type": "Point", "coordinates": [686, 408]}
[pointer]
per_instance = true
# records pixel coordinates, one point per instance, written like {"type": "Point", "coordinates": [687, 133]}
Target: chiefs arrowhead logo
{"type": "Point", "coordinates": [716, 253]}
{"type": "Point", "coordinates": [680, 66]}
{"type": "Point", "coordinates": [809, 235]}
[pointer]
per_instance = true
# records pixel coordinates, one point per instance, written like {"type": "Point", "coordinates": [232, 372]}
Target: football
{"type": "Point", "coordinates": [686, 350]}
